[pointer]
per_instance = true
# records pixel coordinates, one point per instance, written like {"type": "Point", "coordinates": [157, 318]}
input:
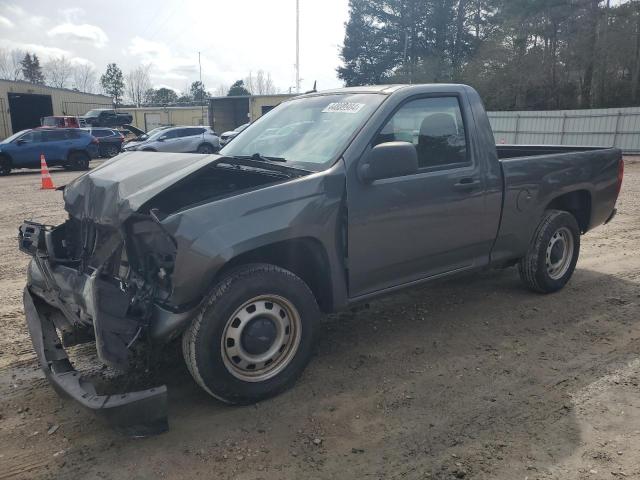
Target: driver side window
{"type": "Point", "coordinates": [434, 126]}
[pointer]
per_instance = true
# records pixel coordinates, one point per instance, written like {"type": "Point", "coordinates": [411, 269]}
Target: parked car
{"type": "Point", "coordinates": [131, 133]}
{"type": "Point", "coordinates": [105, 117]}
{"type": "Point", "coordinates": [141, 136]}
{"type": "Point", "coordinates": [226, 137]}
{"type": "Point", "coordinates": [178, 139]}
{"type": "Point", "coordinates": [60, 121]}
{"type": "Point", "coordinates": [109, 141]}
{"type": "Point", "coordinates": [239, 253]}
{"type": "Point", "coordinates": [71, 148]}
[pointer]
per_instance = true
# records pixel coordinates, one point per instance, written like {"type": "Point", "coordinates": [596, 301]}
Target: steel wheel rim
{"type": "Point", "coordinates": [258, 367]}
{"type": "Point", "coordinates": [559, 253]}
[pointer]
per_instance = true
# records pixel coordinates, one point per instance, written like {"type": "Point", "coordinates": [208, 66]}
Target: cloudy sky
{"type": "Point", "coordinates": [234, 36]}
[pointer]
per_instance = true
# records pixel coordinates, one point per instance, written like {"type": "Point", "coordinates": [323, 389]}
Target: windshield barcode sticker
{"type": "Point", "coordinates": [343, 107]}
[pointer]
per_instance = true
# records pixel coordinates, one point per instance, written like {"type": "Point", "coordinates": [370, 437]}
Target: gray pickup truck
{"type": "Point", "coordinates": [331, 199]}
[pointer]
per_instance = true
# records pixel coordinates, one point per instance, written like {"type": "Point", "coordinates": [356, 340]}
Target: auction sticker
{"type": "Point", "coordinates": [343, 107]}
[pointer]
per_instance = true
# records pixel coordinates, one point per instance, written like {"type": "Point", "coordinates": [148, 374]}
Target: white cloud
{"type": "Point", "coordinates": [81, 33]}
{"type": "Point", "coordinates": [165, 64]}
{"type": "Point", "coordinates": [44, 52]}
{"type": "Point", "coordinates": [5, 22]}
{"type": "Point", "coordinates": [18, 12]}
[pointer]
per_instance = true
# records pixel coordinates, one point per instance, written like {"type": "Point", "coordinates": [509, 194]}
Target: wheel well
{"type": "Point", "coordinates": [5, 156]}
{"type": "Point", "coordinates": [75, 151]}
{"type": "Point", "coordinates": [149, 149]}
{"type": "Point", "coordinates": [577, 203]}
{"type": "Point", "coordinates": [305, 257]}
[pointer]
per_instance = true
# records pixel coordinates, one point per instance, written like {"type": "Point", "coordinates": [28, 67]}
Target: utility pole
{"type": "Point", "coordinates": [297, 46]}
{"type": "Point", "coordinates": [202, 89]}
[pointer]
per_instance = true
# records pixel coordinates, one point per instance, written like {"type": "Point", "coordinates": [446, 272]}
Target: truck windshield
{"type": "Point", "coordinates": [93, 113]}
{"type": "Point", "coordinates": [310, 131]}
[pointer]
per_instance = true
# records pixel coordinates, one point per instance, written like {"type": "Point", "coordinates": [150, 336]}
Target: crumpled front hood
{"type": "Point", "coordinates": [112, 192]}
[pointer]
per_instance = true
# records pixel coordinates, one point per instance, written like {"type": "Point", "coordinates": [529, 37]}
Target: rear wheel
{"type": "Point", "coordinates": [255, 335]}
{"type": "Point", "coordinates": [5, 166]}
{"type": "Point", "coordinates": [78, 161]}
{"type": "Point", "coordinates": [206, 149]}
{"type": "Point", "coordinates": [111, 150]}
{"type": "Point", "coordinates": [553, 253]}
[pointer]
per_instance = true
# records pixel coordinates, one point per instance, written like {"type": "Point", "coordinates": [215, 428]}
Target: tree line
{"type": "Point", "coordinates": [134, 88]}
{"type": "Point", "coordinates": [519, 54]}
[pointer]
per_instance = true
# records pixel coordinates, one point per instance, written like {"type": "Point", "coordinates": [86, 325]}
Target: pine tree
{"type": "Point", "coordinates": [112, 82]}
{"type": "Point", "coordinates": [31, 69]}
{"type": "Point", "coordinates": [238, 89]}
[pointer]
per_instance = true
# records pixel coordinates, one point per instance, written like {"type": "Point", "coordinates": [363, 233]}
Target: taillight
{"type": "Point", "coordinates": [620, 175]}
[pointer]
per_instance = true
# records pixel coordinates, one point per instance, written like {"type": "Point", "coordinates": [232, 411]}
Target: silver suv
{"type": "Point", "coordinates": [177, 139]}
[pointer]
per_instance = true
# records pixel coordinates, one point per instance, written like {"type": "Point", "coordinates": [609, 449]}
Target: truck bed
{"type": "Point", "coordinates": [540, 177]}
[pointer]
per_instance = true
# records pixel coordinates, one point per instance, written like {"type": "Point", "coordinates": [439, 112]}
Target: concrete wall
{"type": "Point", "coordinates": [63, 101]}
{"type": "Point", "coordinates": [147, 118]}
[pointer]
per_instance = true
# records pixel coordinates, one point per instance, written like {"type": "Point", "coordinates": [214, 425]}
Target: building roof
{"type": "Point", "coordinates": [227, 97]}
{"type": "Point", "coordinates": [38, 85]}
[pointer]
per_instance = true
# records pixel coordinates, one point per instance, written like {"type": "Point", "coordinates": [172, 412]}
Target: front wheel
{"type": "Point", "coordinates": [5, 166]}
{"type": "Point", "coordinates": [553, 253]}
{"type": "Point", "coordinates": [255, 335]}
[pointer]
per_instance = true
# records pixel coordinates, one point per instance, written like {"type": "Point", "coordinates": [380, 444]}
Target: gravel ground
{"type": "Point", "coordinates": [469, 378]}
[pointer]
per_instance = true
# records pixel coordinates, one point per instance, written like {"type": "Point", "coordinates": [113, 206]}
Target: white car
{"type": "Point", "coordinates": [226, 137]}
{"type": "Point", "coordinates": [178, 139]}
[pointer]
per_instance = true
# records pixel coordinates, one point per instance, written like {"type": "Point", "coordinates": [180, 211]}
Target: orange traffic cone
{"type": "Point", "coordinates": [47, 182]}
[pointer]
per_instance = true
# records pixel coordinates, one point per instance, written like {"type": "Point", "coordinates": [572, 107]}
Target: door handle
{"type": "Point", "coordinates": [466, 184]}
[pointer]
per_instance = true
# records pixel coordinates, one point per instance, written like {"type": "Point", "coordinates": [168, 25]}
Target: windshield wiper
{"type": "Point", "coordinates": [259, 157]}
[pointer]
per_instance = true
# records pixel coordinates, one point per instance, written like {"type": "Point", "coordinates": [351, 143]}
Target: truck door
{"type": "Point", "coordinates": [409, 228]}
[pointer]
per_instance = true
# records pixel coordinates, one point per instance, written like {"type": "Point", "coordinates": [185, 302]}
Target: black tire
{"type": "Point", "coordinates": [206, 149]}
{"type": "Point", "coordinates": [149, 150]}
{"type": "Point", "coordinates": [111, 150]}
{"type": "Point", "coordinates": [537, 267]}
{"type": "Point", "coordinates": [206, 357]}
{"type": "Point", "coordinates": [5, 166]}
{"type": "Point", "coordinates": [78, 161]}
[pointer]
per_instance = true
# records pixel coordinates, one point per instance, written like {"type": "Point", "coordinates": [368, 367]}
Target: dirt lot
{"type": "Point", "coordinates": [469, 378]}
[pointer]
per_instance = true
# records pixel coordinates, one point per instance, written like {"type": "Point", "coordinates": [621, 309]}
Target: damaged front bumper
{"type": "Point", "coordinates": [139, 413]}
{"type": "Point", "coordinates": [59, 298]}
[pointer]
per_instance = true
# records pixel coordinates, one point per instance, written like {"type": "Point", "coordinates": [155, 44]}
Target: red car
{"type": "Point", "coordinates": [60, 121]}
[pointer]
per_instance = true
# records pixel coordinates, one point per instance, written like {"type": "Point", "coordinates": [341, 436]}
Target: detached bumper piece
{"type": "Point", "coordinates": [138, 414]}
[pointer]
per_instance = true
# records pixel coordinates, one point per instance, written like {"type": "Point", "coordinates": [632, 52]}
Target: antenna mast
{"type": "Point", "coordinates": [297, 46]}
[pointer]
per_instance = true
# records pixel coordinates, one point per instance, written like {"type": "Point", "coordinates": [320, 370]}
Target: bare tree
{"type": "Point", "coordinates": [138, 82]}
{"type": "Point", "coordinates": [260, 84]}
{"type": "Point", "coordinates": [10, 66]}
{"type": "Point", "coordinates": [84, 77]}
{"type": "Point", "coordinates": [221, 90]}
{"type": "Point", "coordinates": [58, 72]}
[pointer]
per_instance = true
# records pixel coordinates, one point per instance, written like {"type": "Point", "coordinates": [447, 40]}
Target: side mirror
{"type": "Point", "coordinates": [21, 142]}
{"type": "Point", "coordinates": [162, 139]}
{"type": "Point", "coordinates": [388, 160]}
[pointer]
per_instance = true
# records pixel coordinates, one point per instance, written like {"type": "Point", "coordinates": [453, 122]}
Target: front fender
{"type": "Point", "coordinates": [208, 236]}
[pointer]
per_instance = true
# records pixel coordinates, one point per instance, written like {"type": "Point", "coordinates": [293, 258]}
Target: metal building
{"type": "Point", "coordinates": [609, 127]}
{"type": "Point", "coordinates": [227, 113]}
{"type": "Point", "coordinates": [22, 104]}
{"type": "Point", "coordinates": [148, 118]}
